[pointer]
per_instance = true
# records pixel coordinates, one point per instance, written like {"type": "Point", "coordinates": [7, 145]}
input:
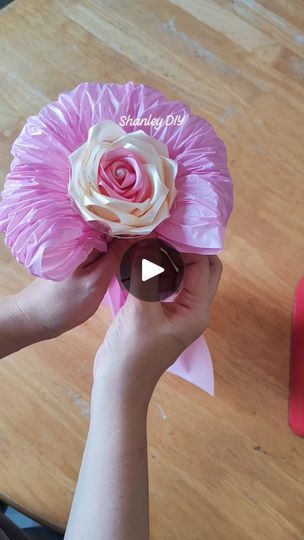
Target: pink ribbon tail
{"type": "Point", "coordinates": [195, 365]}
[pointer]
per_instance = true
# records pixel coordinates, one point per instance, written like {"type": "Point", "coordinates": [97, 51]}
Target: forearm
{"type": "Point", "coordinates": [111, 501]}
{"type": "Point", "coordinates": [16, 331]}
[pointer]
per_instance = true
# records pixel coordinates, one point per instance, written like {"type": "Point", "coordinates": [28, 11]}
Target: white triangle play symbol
{"type": "Point", "coordinates": [150, 269]}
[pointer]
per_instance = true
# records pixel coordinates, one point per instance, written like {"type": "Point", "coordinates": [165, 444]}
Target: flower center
{"type": "Point", "coordinates": [120, 172]}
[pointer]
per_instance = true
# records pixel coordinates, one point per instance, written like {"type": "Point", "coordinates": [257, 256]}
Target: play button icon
{"type": "Point", "coordinates": [151, 270]}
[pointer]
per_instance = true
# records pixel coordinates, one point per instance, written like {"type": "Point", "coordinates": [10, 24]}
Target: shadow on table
{"type": "Point", "coordinates": [42, 533]}
{"type": "Point", "coordinates": [18, 526]}
{"type": "Point", "coordinates": [5, 3]}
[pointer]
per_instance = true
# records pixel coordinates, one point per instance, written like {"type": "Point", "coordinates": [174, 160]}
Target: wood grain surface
{"type": "Point", "coordinates": [222, 468]}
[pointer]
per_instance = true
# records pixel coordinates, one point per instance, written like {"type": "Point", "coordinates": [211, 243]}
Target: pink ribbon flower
{"type": "Point", "coordinates": [122, 181]}
{"type": "Point", "coordinates": [77, 179]}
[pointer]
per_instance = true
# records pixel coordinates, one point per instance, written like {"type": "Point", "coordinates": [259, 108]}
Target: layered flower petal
{"type": "Point", "coordinates": [124, 183]}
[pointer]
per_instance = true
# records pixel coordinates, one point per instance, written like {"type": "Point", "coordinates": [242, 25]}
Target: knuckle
{"type": "Point", "coordinates": [205, 321]}
{"type": "Point", "coordinates": [202, 324]}
{"type": "Point", "coordinates": [89, 285]}
{"type": "Point", "coordinates": [217, 265]}
{"type": "Point", "coordinates": [196, 328]}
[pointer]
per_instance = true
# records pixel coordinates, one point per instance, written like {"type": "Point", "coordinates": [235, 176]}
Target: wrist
{"type": "Point", "coordinates": [15, 331]}
{"type": "Point", "coordinates": [119, 385]}
{"type": "Point", "coordinates": [27, 320]}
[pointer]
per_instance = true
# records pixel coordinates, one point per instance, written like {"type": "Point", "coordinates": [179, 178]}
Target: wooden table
{"type": "Point", "coordinates": [223, 468]}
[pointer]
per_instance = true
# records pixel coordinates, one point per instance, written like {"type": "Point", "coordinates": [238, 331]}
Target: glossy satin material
{"type": "Point", "coordinates": [124, 182]}
{"type": "Point", "coordinates": [48, 225]}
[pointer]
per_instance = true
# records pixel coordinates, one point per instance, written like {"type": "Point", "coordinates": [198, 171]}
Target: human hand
{"type": "Point", "coordinates": [145, 338]}
{"type": "Point", "coordinates": [51, 308]}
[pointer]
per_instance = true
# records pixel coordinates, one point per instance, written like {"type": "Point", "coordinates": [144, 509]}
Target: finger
{"type": "Point", "coordinates": [215, 272]}
{"type": "Point", "coordinates": [119, 246]}
{"type": "Point", "coordinates": [101, 270]}
{"type": "Point", "coordinates": [110, 258]}
{"type": "Point", "coordinates": [195, 291]}
{"type": "Point", "coordinates": [93, 255]}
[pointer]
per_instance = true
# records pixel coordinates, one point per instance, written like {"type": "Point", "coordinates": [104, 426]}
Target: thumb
{"type": "Point", "coordinates": [101, 269]}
